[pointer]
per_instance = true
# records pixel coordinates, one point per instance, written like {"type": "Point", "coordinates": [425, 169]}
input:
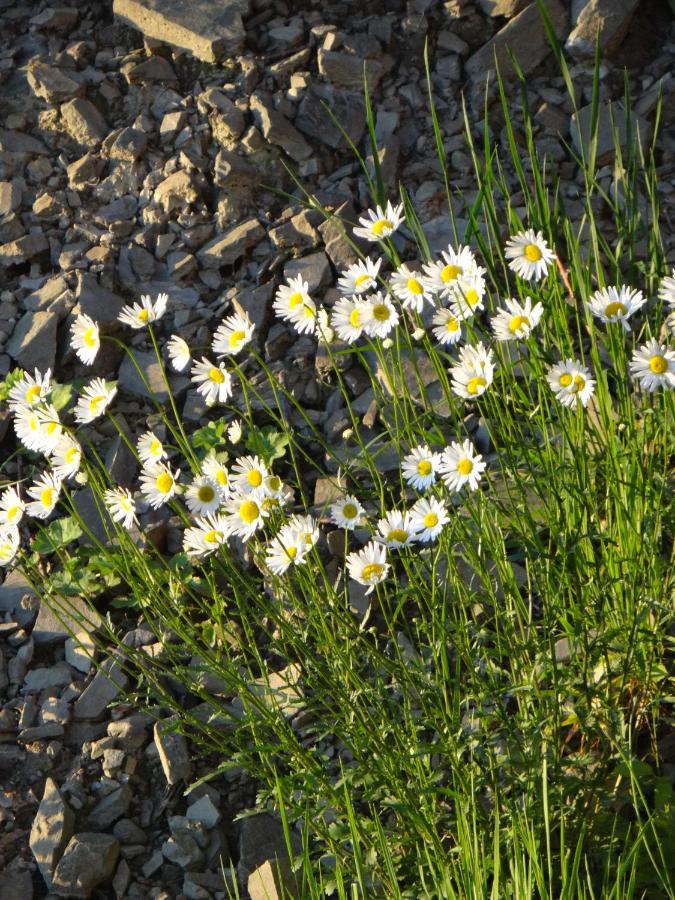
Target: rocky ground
{"type": "Point", "coordinates": [129, 165]}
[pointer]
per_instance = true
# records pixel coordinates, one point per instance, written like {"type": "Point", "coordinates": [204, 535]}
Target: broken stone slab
{"type": "Point", "coordinates": [95, 301]}
{"type": "Point", "coordinates": [225, 249]}
{"type": "Point", "coordinates": [71, 616]}
{"type": "Point", "coordinates": [177, 191]}
{"type": "Point", "coordinates": [101, 690]}
{"type": "Point", "coordinates": [23, 249]}
{"type": "Point", "coordinates": [46, 296]}
{"type": "Point", "coordinates": [17, 884]}
{"type": "Point", "coordinates": [62, 18]}
{"type": "Point", "coordinates": [58, 675]}
{"type": "Point", "coordinates": [52, 84]}
{"type": "Point", "coordinates": [273, 880]}
{"type": "Point", "coordinates": [85, 170]}
{"type": "Point", "coordinates": [348, 108]}
{"type": "Point", "coordinates": [108, 810]}
{"type": "Point", "coordinates": [127, 145]}
{"type": "Point", "coordinates": [204, 811]}
{"type": "Point", "coordinates": [83, 122]}
{"type": "Point", "coordinates": [277, 129]}
{"type": "Point", "coordinates": [346, 69]}
{"type": "Point", "coordinates": [229, 117]}
{"type": "Point", "coordinates": [606, 21]}
{"type": "Point", "coordinates": [173, 752]}
{"type": "Point", "coordinates": [611, 117]}
{"type": "Point", "coordinates": [525, 37]}
{"type": "Point", "coordinates": [18, 142]}
{"type": "Point", "coordinates": [52, 829]}
{"type": "Point", "coordinates": [314, 269]}
{"type": "Point", "coordinates": [10, 197]}
{"type": "Point", "coordinates": [155, 69]}
{"type": "Point", "coordinates": [33, 343]}
{"type": "Point", "coordinates": [210, 32]}
{"type": "Point", "coordinates": [88, 860]}
{"type": "Point", "coordinates": [18, 598]}
{"type": "Point", "coordinates": [80, 650]}
{"type": "Point", "coordinates": [261, 838]}
{"type": "Point", "coordinates": [502, 8]}
{"type": "Point", "coordinates": [151, 384]}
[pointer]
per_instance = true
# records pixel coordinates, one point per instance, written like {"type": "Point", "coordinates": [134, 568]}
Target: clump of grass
{"type": "Point", "coordinates": [465, 700]}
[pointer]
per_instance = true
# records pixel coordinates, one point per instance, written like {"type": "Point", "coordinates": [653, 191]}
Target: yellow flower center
{"type": "Point", "coordinates": [254, 477]}
{"type": "Point", "coordinates": [51, 427]}
{"type": "Point", "coordinates": [309, 311]}
{"type": "Point", "coordinates": [164, 482]}
{"type": "Point", "coordinates": [430, 520]}
{"type": "Point", "coordinates": [579, 383]}
{"type": "Point", "coordinates": [414, 286]}
{"type": "Point", "coordinates": [355, 318]}
{"type": "Point", "coordinates": [658, 364]}
{"type": "Point", "coordinates": [144, 315]}
{"type": "Point", "coordinates": [34, 423]}
{"type": "Point", "coordinates": [465, 466]}
{"type": "Point", "coordinates": [155, 447]}
{"type": "Point", "coordinates": [14, 512]}
{"type": "Point", "coordinates": [349, 511]}
{"type": "Point", "coordinates": [72, 454]}
{"type": "Point", "coordinates": [236, 338]}
{"type": "Point", "coordinates": [451, 273]}
{"type": "Point", "coordinates": [615, 309]}
{"type": "Point", "coordinates": [518, 322]}
{"type": "Point", "coordinates": [90, 337]}
{"type": "Point", "coordinates": [381, 226]}
{"type": "Point", "coordinates": [47, 497]}
{"type": "Point", "coordinates": [371, 571]}
{"type": "Point", "coordinates": [33, 393]}
{"type": "Point", "coordinates": [273, 483]}
{"type": "Point", "coordinates": [361, 279]}
{"type": "Point", "coordinates": [249, 511]}
{"type": "Point", "coordinates": [381, 312]}
{"type": "Point", "coordinates": [424, 467]}
{"type": "Point", "coordinates": [475, 384]}
{"type": "Point", "coordinates": [214, 536]}
{"type": "Point", "coordinates": [221, 477]}
{"type": "Point", "coordinates": [398, 534]}
{"type": "Point", "coordinates": [565, 380]}
{"type": "Point", "coordinates": [532, 252]}
{"type": "Point", "coordinates": [206, 493]}
{"type": "Point", "coordinates": [95, 402]}
{"type": "Point", "coordinates": [217, 375]}
{"type": "Point", "coordinates": [472, 297]}
{"type": "Point", "coordinates": [295, 300]}
{"type": "Point", "coordinates": [291, 552]}
{"type": "Point", "coordinates": [452, 324]}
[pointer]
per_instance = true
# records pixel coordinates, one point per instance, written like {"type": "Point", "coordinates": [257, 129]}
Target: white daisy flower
{"type": "Point", "coordinates": [667, 289]}
{"type": "Point", "coordinates": [308, 528]}
{"type": "Point", "coordinates": [234, 431]}
{"type": "Point", "coordinates": [420, 467]}
{"type": "Point", "coordinates": [203, 496]}
{"type": "Point", "coordinates": [150, 448]}
{"type": "Point", "coordinates": [571, 382]}
{"type": "Point", "coordinates": [467, 296]}
{"type": "Point", "coordinates": [30, 391]}
{"type": "Point", "coordinates": [379, 315]}
{"type": "Point", "coordinates": [38, 429]}
{"type": "Point", "coordinates": [205, 536]}
{"type": "Point", "coordinates": [85, 339]}
{"type": "Point", "coordinates": [379, 223]}
{"type": "Point", "coordinates": [473, 374]}
{"type": "Point", "coordinates": [428, 516]}
{"type": "Point", "coordinates": [287, 549]}
{"type": "Point", "coordinates": [273, 488]}
{"type": "Point", "coordinates": [159, 484]}
{"type": "Point", "coordinates": [212, 381]}
{"type": "Point", "coordinates": [305, 318]}
{"type": "Point", "coordinates": [346, 512]}
{"type": "Point", "coordinates": [653, 365]}
{"type": "Point", "coordinates": [249, 473]}
{"type": "Point", "coordinates": [347, 319]}
{"type": "Point", "coordinates": [290, 297]}
{"type": "Point", "coordinates": [45, 494]}
{"type": "Point", "coordinates": [232, 335]}
{"type": "Point", "coordinates": [12, 507]}
{"type": "Point", "coordinates": [93, 401]}
{"type": "Point", "coordinates": [616, 304]}
{"type": "Point", "coordinates": [442, 275]}
{"type": "Point", "coordinates": [179, 353]}
{"type": "Point", "coordinates": [460, 465]}
{"type": "Point", "coordinates": [66, 457]}
{"type": "Point", "coordinates": [245, 515]}
{"type": "Point", "coordinates": [9, 543]}
{"type": "Point", "coordinates": [138, 315]}
{"type": "Point", "coordinates": [517, 320]}
{"type": "Point", "coordinates": [395, 530]}
{"type": "Point", "coordinates": [369, 566]}
{"type": "Point", "coordinates": [410, 288]}
{"type": "Point", "coordinates": [529, 255]}
{"type": "Point", "coordinates": [446, 326]}
{"type": "Point", "coordinates": [121, 506]}
{"type": "Point", "coordinates": [324, 331]}
{"type": "Point", "coordinates": [51, 429]}
{"type": "Point", "coordinates": [216, 470]}
{"type": "Point", "coordinates": [360, 277]}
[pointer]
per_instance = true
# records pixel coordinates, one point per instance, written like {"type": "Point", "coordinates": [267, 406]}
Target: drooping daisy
{"type": "Point", "coordinates": [9, 543]}
{"type": "Point", "coordinates": [369, 566]}
{"type": "Point", "coordinates": [529, 255]}
{"type": "Point", "coordinates": [234, 431]}
{"type": "Point", "coordinates": [232, 334]}
{"type": "Point", "coordinates": [347, 318]}
{"type": "Point", "coordinates": [360, 277]}
{"type": "Point", "coordinates": [653, 365]}
{"type": "Point", "coordinates": [249, 473]}
{"type": "Point", "coordinates": [290, 297]}
{"type": "Point", "coordinates": [460, 465]}
{"type": "Point", "coordinates": [66, 457]}
{"type": "Point", "coordinates": [85, 339]}
{"type": "Point", "coordinates": [30, 391]}
{"type": "Point", "coordinates": [379, 223]}
{"type": "Point", "coordinates": [571, 382]}
{"type": "Point", "coordinates": [12, 506]}
{"type": "Point", "coordinates": [205, 536]}
{"type": "Point", "coordinates": [159, 484]}
{"type": "Point", "coordinates": [217, 470]}
{"type": "Point", "coordinates": [616, 304]}
{"type": "Point", "coordinates": [45, 494]}
{"type": "Point", "coordinates": [447, 328]}
{"type": "Point", "coordinates": [473, 374]}
{"type": "Point", "coordinates": [667, 289]}
{"type": "Point", "coordinates": [203, 496]}
{"type": "Point", "coordinates": [138, 315]}
{"type": "Point", "coordinates": [212, 381]}
{"type": "Point", "coordinates": [287, 549]}
{"type": "Point", "coordinates": [379, 315]}
{"type": "Point", "coordinates": [420, 467]}
{"type": "Point", "coordinates": [179, 353]}
{"type": "Point", "coordinates": [346, 512]}
{"type": "Point", "coordinates": [93, 401]}
{"type": "Point", "coordinates": [428, 516]}
{"type": "Point", "coordinates": [245, 515]}
{"type": "Point", "coordinates": [410, 288]}
{"type": "Point", "coordinates": [150, 448]}
{"type": "Point", "coordinates": [273, 489]}
{"type": "Point", "coordinates": [517, 320]}
{"type": "Point", "coordinates": [121, 506]}
{"type": "Point", "coordinates": [467, 295]}
{"type": "Point", "coordinates": [324, 332]}
{"type": "Point", "coordinates": [395, 530]}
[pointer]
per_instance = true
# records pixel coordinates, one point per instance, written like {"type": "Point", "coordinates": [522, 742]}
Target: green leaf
{"type": "Point", "coordinates": [209, 436]}
{"type": "Point", "coordinates": [57, 534]}
{"type": "Point", "coordinates": [5, 386]}
{"type": "Point", "coordinates": [60, 396]}
{"type": "Point", "coordinates": [268, 443]}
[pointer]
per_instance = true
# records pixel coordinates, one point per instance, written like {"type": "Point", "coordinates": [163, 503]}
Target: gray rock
{"type": "Point", "coordinates": [611, 116]}
{"type": "Point", "coordinates": [40, 733]}
{"type": "Point", "coordinates": [229, 120]}
{"type": "Point", "coordinates": [18, 142]}
{"type": "Point", "coordinates": [80, 650]}
{"type": "Point", "coordinates": [151, 384]}
{"type": "Point", "coordinates": [128, 145]}
{"type": "Point", "coordinates": [154, 69]}
{"type": "Point", "coordinates": [182, 851]}
{"type": "Point", "coordinates": [502, 8]}
{"type": "Point", "coordinates": [102, 690]}
{"type": "Point", "coordinates": [120, 882]}
{"type": "Point", "coordinates": [277, 129]}
{"type": "Point", "coordinates": [52, 296]}
{"type": "Point", "coordinates": [210, 33]}
{"type": "Point", "coordinates": [173, 752]}
{"type": "Point", "coordinates": [108, 810]}
{"type": "Point", "coordinates": [10, 197]}
{"type": "Point", "coordinates": [52, 84]}
{"type": "Point", "coordinates": [606, 21]}
{"type": "Point", "coordinates": [18, 598]}
{"type": "Point", "coordinates": [314, 269]}
{"type": "Point", "coordinates": [16, 885]}
{"type": "Point", "coordinates": [88, 860]}
{"type": "Point", "coordinates": [346, 69]}
{"type": "Point", "coordinates": [225, 249]}
{"type": "Point", "coordinates": [62, 18]}
{"type": "Point", "coordinates": [72, 615]}
{"type": "Point", "coordinates": [273, 880]}
{"type": "Point", "coordinates": [204, 812]}
{"type": "Point", "coordinates": [58, 675]}
{"type": "Point", "coordinates": [177, 191]}
{"type": "Point", "coordinates": [85, 170]}
{"type": "Point", "coordinates": [102, 305]}
{"type": "Point", "coordinates": [51, 830]}
{"type": "Point", "coordinates": [33, 344]}
{"type": "Point", "coordinates": [347, 107]}
{"type": "Point", "coordinates": [23, 249]}
{"type": "Point", "coordinates": [127, 832]}
{"type": "Point", "coordinates": [261, 838]}
{"type": "Point", "coordinates": [83, 122]}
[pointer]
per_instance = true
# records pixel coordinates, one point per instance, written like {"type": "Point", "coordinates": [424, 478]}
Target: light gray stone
{"type": "Point", "coordinates": [346, 69]}
{"type": "Point", "coordinates": [18, 598]}
{"type": "Point", "coordinates": [10, 197]}
{"type": "Point", "coordinates": [53, 84]}
{"type": "Point", "coordinates": [72, 615]}
{"type": "Point", "coordinates": [314, 269]}
{"type": "Point", "coordinates": [16, 884]}
{"type": "Point", "coordinates": [273, 880]}
{"type": "Point", "coordinates": [33, 343]}
{"type": "Point", "coordinates": [58, 675]}
{"type": "Point", "coordinates": [102, 305]}
{"type": "Point", "coordinates": [177, 191]}
{"type": "Point", "coordinates": [606, 21]}
{"type": "Point", "coordinates": [173, 752]}
{"type": "Point", "coordinates": [278, 130]}
{"type": "Point", "coordinates": [205, 812]}
{"type": "Point", "coordinates": [108, 810]}
{"type": "Point", "coordinates": [261, 838]}
{"type": "Point", "coordinates": [51, 830]}
{"type": "Point", "coordinates": [88, 860]}
{"type": "Point", "coordinates": [611, 117]}
{"type": "Point", "coordinates": [83, 122]}
{"type": "Point", "coordinates": [101, 691]}
{"type": "Point", "coordinates": [128, 145]}
{"type": "Point", "coordinates": [225, 249]}
{"type": "Point", "coordinates": [18, 142]}
{"type": "Point", "coordinates": [348, 107]}
{"type": "Point", "coordinates": [23, 248]}
{"type": "Point", "coordinates": [151, 384]}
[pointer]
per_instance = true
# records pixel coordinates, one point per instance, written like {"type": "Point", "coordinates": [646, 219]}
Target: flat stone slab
{"type": "Point", "coordinates": [208, 30]}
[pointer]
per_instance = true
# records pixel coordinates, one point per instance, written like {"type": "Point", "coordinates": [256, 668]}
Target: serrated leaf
{"type": "Point", "coordinates": [61, 395]}
{"type": "Point", "coordinates": [57, 534]}
{"type": "Point", "coordinates": [268, 443]}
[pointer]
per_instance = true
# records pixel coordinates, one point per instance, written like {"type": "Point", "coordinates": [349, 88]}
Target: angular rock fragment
{"type": "Point", "coordinates": [611, 118]}
{"type": "Point", "coordinates": [278, 130]}
{"type": "Point", "coordinates": [273, 880]}
{"type": "Point", "coordinates": [348, 108]}
{"type": "Point", "coordinates": [33, 343]}
{"type": "Point", "coordinates": [225, 249]}
{"type": "Point", "coordinates": [128, 145]}
{"type": "Point", "coordinates": [18, 142]}
{"type": "Point", "coordinates": [95, 301]}
{"type": "Point", "coordinates": [606, 21]}
{"type": "Point", "coordinates": [112, 807]}
{"type": "Point", "coordinates": [346, 69]}
{"type": "Point", "coordinates": [83, 122]}
{"type": "Point", "coordinates": [150, 384]}
{"type": "Point", "coordinates": [52, 84]}
{"type": "Point", "coordinates": [52, 829]}
{"type": "Point", "coordinates": [88, 860]}
{"type": "Point", "coordinates": [177, 191]}
{"type": "Point", "coordinates": [155, 69]}
{"type": "Point", "coordinates": [60, 18]}
{"type": "Point", "coordinates": [23, 249]}
{"type": "Point", "coordinates": [173, 753]}
{"type": "Point", "coordinates": [10, 197]}
{"type": "Point", "coordinates": [57, 623]}
{"type": "Point", "coordinates": [101, 691]}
